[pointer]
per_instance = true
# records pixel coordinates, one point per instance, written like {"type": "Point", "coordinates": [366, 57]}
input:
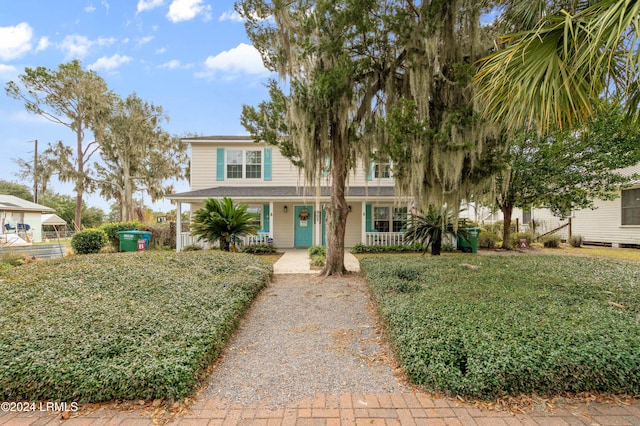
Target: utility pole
{"type": "Point", "coordinates": [35, 172]}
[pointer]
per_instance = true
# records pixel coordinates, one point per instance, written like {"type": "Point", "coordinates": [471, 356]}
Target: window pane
{"type": "Point", "coordinates": [234, 157]}
{"type": "Point", "coordinates": [254, 157]}
{"type": "Point", "coordinates": [631, 206]}
{"type": "Point", "coordinates": [399, 219]}
{"type": "Point", "coordinates": [258, 219]}
{"type": "Point", "coordinates": [234, 172]}
{"type": "Point", "coordinates": [254, 172]}
{"type": "Point", "coordinates": [381, 213]}
{"type": "Point", "coordinates": [382, 171]}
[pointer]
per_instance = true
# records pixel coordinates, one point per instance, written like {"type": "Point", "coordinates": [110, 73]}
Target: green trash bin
{"type": "Point", "coordinates": [470, 246]}
{"type": "Point", "coordinates": [129, 240]}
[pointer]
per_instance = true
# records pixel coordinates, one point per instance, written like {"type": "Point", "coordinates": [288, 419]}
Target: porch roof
{"type": "Point", "coordinates": [280, 192]}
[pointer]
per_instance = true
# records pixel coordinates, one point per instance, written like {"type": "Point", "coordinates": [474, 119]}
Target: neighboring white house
{"type": "Point", "coordinates": [21, 218]}
{"type": "Point", "coordinates": [613, 223]}
{"type": "Point", "coordinates": [291, 212]}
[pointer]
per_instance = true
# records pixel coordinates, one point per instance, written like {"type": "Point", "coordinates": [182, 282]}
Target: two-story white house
{"type": "Point", "coordinates": [291, 212]}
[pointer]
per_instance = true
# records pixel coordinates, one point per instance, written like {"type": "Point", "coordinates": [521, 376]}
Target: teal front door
{"type": "Point", "coordinates": [303, 231]}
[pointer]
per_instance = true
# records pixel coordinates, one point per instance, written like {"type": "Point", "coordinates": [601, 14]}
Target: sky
{"type": "Point", "coordinates": [192, 57]}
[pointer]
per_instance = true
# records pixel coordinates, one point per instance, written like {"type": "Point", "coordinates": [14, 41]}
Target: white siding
{"type": "Point", "coordinates": [603, 225]}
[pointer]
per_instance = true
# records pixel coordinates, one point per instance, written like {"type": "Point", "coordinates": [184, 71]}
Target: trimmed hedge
{"type": "Point", "coordinates": [88, 241]}
{"type": "Point", "coordinates": [407, 248]}
{"type": "Point", "coordinates": [543, 325]}
{"type": "Point", "coordinates": [120, 326]}
{"type": "Point", "coordinates": [260, 249]}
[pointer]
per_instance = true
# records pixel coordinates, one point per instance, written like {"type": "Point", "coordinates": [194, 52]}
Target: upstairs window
{"type": "Point", "coordinates": [253, 165]}
{"type": "Point", "coordinates": [244, 164]}
{"type": "Point", "coordinates": [382, 170]}
{"type": "Point", "coordinates": [631, 206]}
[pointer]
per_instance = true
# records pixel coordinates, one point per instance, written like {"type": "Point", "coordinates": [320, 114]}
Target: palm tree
{"type": "Point", "coordinates": [430, 228]}
{"type": "Point", "coordinates": [553, 75]}
{"type": "Point", "coordinates": [223, 221]}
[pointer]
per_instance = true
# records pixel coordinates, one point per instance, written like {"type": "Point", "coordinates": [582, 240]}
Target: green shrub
{"type": "Point", "coordinates": [448, 247]}
{"type": "Point", "coordinates": [317, 251]}
{"type": "Point", "coordinates": [88, 241]}
{"type": "Point", "coordinates": [161, 235]}
{"type": "Point", "coordinates": [516, 237]}
{"type": "Point", "coordinates": [488, 239]}
{"type": "Point", "coordinates": [406, 248]}
{"type": "Point", "coordinates": [12, 259]}
{"type": "Point", "coordinates": [318, 260]}
{"type": "Point", "coordinates": [112, 229]}
{"type": "Point", "coordinates": [576, 241]}
{"type": "Point", "coordinates": [515, 325]}
{"type": "Point", "coordinates": [551, 241]}
{"type": "Point", "coordinates": [191, 247]}
{"type": "Point", "coordinates": [260, 249]}
{"type": "Point", "coordinates": [112, 327]}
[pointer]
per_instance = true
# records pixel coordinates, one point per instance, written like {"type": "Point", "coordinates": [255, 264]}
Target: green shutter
{"type": "Point", "coordinates": [368, 218]}
{"type": "Point", "coordinates": [267, 163]}
{"type": "Point", "coordinates": [220, 164]}
{"type": "Point", "coordinates": [265, 217]}
{"type": "Point", "coordinates": [370, 177]}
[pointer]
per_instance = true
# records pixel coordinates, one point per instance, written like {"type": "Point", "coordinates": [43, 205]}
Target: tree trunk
{"type": "Point", "coordinates": [337, 217]}
{"type": "Point", "coordinates": [79, 178]}
{"type": "Point", "coordinates": [436, 246]}
{"type": "Point", "coordinates": [507, 210]}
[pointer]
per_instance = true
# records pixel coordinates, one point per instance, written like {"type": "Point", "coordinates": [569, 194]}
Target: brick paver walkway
{"type": "Point", "coordinates": [346, 409]}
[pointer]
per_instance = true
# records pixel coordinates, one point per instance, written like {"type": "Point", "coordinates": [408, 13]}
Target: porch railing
{"type": "Point", "coordinates": [384, 238]}
{"type": "Point", "coordinates": [187, 239]}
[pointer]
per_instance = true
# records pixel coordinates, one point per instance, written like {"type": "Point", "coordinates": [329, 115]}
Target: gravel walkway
{"type": "Point", "coordinates": [304, 335]}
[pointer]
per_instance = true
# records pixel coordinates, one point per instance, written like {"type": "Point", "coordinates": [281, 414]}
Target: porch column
{"type": "Point", "coordinates": [317, 223]}
{"type": "Point", "coordinates": [271, 219]}
{"type": "Point", "coordinates": [179, 226]}
{"type": "Point", "coordinates": [363, 224]}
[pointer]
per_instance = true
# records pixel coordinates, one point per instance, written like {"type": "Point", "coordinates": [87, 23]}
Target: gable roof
{"type": "Point", "coordinates": [52, 219]}
{"type": "Point", "coordinates": [13, 203]}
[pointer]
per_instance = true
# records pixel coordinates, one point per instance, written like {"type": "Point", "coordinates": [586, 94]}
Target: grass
{"type": "Point", "coordinates": [632, 255]}
{"type": "Point", "coordinates": [120, 326]}
{"type": "Point", "coordinates": [489, 326]}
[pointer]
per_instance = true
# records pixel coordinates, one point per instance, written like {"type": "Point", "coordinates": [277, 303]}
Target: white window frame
{"type": "Point", "coordinates": [633, 207]}
{"type": "Point", "coordinates": [244, 164]}
{"type": "Point", "coordinates": [382, 168]}
{"type": "Point", "coordinates": [257, 210]}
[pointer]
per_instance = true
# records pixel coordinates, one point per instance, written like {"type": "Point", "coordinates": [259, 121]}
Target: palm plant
{"type": "Point", "coordinates": [552, 75]}
{"type": "Point", "coordinates": [223, 221]}
{"type": "Point", "coordinates": [432, 227]}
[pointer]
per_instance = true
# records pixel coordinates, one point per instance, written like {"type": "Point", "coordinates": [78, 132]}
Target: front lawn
{"type": "Point", "coordinates": [488, 326]}
{"type": "Point", "coordinates": [120, 326]}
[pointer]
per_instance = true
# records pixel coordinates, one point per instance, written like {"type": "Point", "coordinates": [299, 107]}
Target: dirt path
{"type": "Point", "coordinates": [304, 335]}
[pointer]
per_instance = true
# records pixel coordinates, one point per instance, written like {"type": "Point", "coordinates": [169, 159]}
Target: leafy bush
{"type": "Point", "coordinates": [191, 247]}
{"type": "Point", "coordinates": [88, 241]}
{"type": "Point", "coordinates": [516, 237]}
{"type": "Point", "coordinates": [448, 247]}
{"type": "Point", "coordinates": [551, 241]}
{"type": "Point", "coordinates": [260, 249]}
{"type": "Point", "coordinates": [107, 327]}
{"type": "Point", "coordinates": [407, 248]}
{"type": "Point", "coordinates": [544, 325]}
{"type": "Point", "coordinates": [161, 235]}
{"type": "Point", "coordinates": [317, 251]}
{"type": "Point", "coordinates": [112, 229]}
{"type": "Point", "coordinates": [576, 241]}
{"type": "Point", "coordinates": [318, 260]}
{"type": "Point", "coordinates": [488, 239]}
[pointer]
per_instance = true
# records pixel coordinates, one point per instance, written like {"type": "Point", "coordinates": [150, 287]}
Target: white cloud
{"type": "Point", "coordinates": [43, 44]}
{"type": "Point", "coordinates": [243, 59]}
{"type": "Point", "coordinates": [231, 16]}
{"type": "Point", "coordinates": [186, 10]}
{"type": "Point", "coordinates": [161, 51]}
{"type": "Point", "coordinates": [172, 64]}
{"type": "Point", "coordinates": [148, 5]}
{"type": "Point", "coordinates": [8, 72]}
{"type": "Point", "coordinates": [109, 63]}
{"type": "Point", "coordinates": [144, 40]}
{"type": "Point", "coordinates": [90, 9]}
{"type": "Point", "coordinates": [105, 4]}
{"type": "Point", "coordinates": [15, 41]}
{"type": "Point", "coordinates": [105, 41]}
{"type": "Point", "coordinates": [75, 46]}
